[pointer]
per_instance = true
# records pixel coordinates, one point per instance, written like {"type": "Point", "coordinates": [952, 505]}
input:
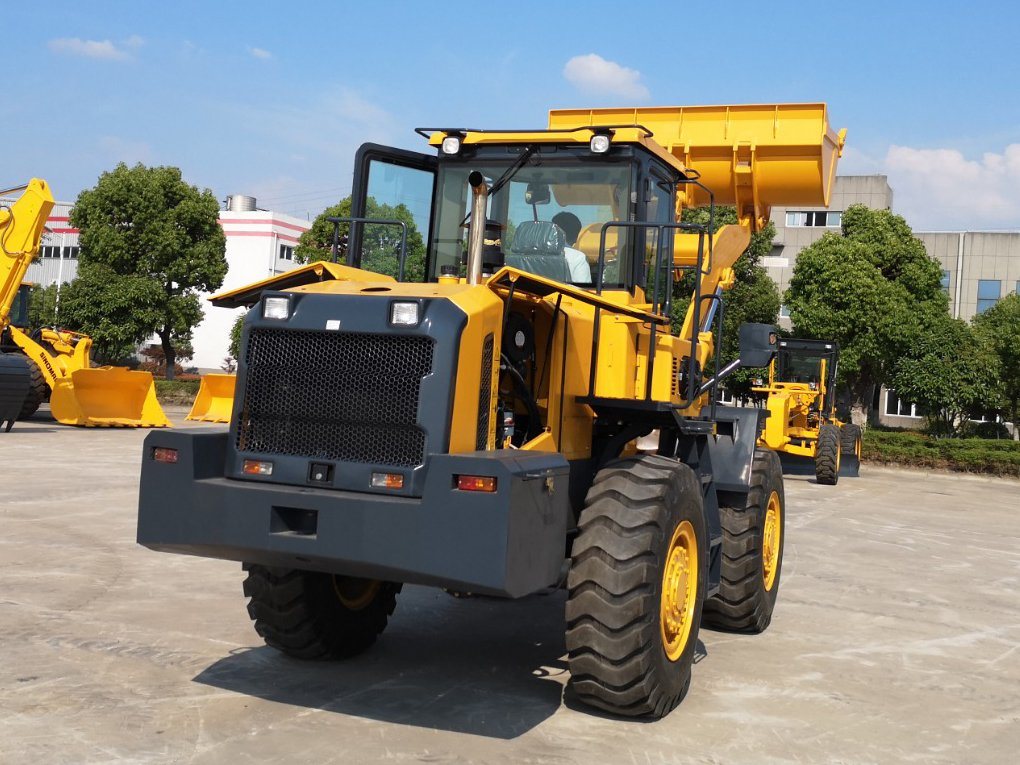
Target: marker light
{"type": "Point", "coordinates": [405, 314]}
{"type": "Point", "coordinates": [484, 483]}
{"type": "Point", "coordinates": [257, 467]}
{"type": "Point", "coordinates": [276, 308]}
{"type": "Point", "coordinates": [387, 481]}
{"type": "Point", "coordinates": [451, 144]}
{"type": "Point", "coordinates": [164, 454]}
{"type": "Point", "coordinates": [599, 144]}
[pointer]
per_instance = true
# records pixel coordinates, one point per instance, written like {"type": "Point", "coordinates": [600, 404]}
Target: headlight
{"type": "Point", "coordinates": [276, 308]}
{"type": "Point", "coordinates": [405, 314]}
{"type": "Point", "coordinates": [599, 144]}
{"type": "Point", "coordinates": [451, 144]}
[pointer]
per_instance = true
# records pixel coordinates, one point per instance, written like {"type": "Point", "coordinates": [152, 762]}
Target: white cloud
{"type": "Point", "coordinates": [134, 42]}
{"type": "Point", "coordinates": [260, 53]}
{"type": "Point", "coordinates": [98, 49]}
{"type": "Point", "coordinates": [594, 75]}
{"type": "Point", "coordinates": [942, 189]}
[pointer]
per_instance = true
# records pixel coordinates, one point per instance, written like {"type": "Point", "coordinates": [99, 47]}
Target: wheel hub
{"type": "Point", "coordinates": [355, 593]}
{"type": "Point", "coordinates": [771, 540]}
{"type": "Point", "coordinates": [679, 590]}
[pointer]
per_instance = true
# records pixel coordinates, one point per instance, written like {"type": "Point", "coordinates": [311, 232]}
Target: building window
{"type": "Point", "coordinates": [1017, 290]}
{"type": "Point", "coordinates": [71, 252]}
{"type": "Point", "coordinates": [822, 219]}
{"type": "Point", "coordinates": [945, 281]}
{"type": "Point", "coordinates": [286, 252]}
{"type": "Point", "coordinates": [988, 293]}
{"type": "Point", "coordinates": [897, 407]}
{"type": "Point", "coordinates": [784, 311]}
{"type": "Point", "coordinates": [49, 251]}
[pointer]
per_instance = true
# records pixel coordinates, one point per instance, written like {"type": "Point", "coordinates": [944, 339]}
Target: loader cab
{"type": "Point", "coordinates": [546, 215]}
{"type": "Point", "coordinates": [19, 308]}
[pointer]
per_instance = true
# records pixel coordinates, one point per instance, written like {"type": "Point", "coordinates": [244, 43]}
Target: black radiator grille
{"type": "Point", "coordinates": [347, 396]}
{"type": "Point", "coordinates": [485, 396]}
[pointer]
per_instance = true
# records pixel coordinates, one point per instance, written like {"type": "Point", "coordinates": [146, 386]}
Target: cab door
{"type": "Point", "coordinates": [393, 184]}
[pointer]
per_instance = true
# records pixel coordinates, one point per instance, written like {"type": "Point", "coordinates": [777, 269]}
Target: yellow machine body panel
{"type": "Point", "coordinates": [107, 397]}
{"type": "Point", "coordinates": [215, 399]}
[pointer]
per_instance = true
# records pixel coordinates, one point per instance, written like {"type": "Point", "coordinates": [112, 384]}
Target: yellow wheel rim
{"type": "Point", "coordinates": [679, 590]}
{"type": "Point", "coordinates": [355, 593]}
{"type": "Point", "coordinates": [771, 539]}
{"type": "Point", "coordinates": [857, 447]}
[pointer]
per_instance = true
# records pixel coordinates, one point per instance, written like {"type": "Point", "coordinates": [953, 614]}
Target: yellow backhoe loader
{"type": "Point", "coordinates": [801, 401]}
{"type": "Point", "coordinates": [58, 360]}
{"type": "Point", "coordinates": [477, 432]}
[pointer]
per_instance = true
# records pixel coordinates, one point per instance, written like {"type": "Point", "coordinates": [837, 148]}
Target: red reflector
{"type": "Point", "coordinates": [164, 454]}
{"type": "Point", "coordinates": [476, 483]}
{"type": "Point", "coordinates": [256, 467]}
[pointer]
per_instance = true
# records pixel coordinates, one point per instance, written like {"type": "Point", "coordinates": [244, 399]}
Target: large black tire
{"type": "Point", "coordinates": [36, 393]}
{"type": "Point", "coordinates": [311, 615]}
{"type": "Point", "coordinates": [643, 516]}
{"type": "Point", "coordinates": [850, 441]}
{"type": "Point", "coordinates": [827, 455]}
{"type": "Point", "coordinates": [752, 552]}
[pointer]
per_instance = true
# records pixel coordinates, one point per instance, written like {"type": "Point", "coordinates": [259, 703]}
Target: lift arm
{"type": "Point", "coordinates": [21, 229]}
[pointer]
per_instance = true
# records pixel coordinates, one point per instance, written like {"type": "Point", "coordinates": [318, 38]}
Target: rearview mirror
{"type": "Point", "coordinates": [758, 343]}
{"type": "Point", "coordinates": [537, 194]}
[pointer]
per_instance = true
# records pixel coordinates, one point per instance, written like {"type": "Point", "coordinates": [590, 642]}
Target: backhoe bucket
{"type": "Point", "coordinates": [215, 399]}
{"type": "Point", "coordinates": [107, 397]}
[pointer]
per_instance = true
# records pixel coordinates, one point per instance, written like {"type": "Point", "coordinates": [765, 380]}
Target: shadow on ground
{"type": "Point", "coordinates": [484, 666]}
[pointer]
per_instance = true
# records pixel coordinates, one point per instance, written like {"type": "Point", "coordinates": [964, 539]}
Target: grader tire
{"type": "Point", "coordinates": [850, 441]}
{"type": "Point", "coordinates": [637, 581]}
{"type": "Point", "coordinates": [752, 552]}
{"type": "Point", "coordinates": [311, 615]}
{"type": "Point", "coordinates": [827, 455]}
{"type": "Point", "coordinates": [36, 392]}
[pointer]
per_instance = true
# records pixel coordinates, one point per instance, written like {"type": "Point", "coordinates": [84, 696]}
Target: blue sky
{"type": "Point", "coordinates": [272, 99]}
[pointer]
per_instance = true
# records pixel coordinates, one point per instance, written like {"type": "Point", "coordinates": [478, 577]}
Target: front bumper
{"type": "Point", "coordinates": [511, 542]}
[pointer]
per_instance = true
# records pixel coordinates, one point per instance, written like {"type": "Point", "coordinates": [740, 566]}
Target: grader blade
{"type": "Point", "coordinates": [215, 399]}
{"type": "Point", "coordinates": [107, 397]}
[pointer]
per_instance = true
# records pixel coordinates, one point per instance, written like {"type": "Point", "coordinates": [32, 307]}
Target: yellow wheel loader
{"type": "Point", "coordinates": [477, 432]}
{"type": "Point", "coordinates": [215, 399]}
{"type": "Point", "coordinates": [58, 360]}
{"type": "Point", "coordinates": [801, 401]}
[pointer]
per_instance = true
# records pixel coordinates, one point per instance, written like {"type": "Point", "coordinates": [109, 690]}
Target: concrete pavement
{"type": "Point", "coordinates": [895, 639]}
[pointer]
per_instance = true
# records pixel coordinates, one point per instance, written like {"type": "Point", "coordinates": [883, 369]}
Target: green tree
{"type": "Point", "coordinates": [381, 243]}
{"type": "Point", "coordinates": [235, 337]}
{"type": "Point", "coordinates": [869, 289]}
{"type": "Point", "coordinates": [753, 297]}
{"type": "Point", "coordinates": [999, 329]}
{"type": "Point", "coordinates": [150, 242]}
{"type": "Point", "coordinates": [949, 372]}
{"type": "Point", "coordinates": [42, 306]}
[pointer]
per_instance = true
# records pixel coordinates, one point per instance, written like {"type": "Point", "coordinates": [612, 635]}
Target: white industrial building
{"type": "Point", "coordinates": [260, 243]}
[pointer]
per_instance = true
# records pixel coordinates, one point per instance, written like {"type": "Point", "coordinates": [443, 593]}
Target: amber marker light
{"type": "Point", "coordinates": [257, 467]}
{"type": "Point", "coordinates": [164, 454]}
{"type": "Point", "coordinates": [387, 481]}
{"type": "Point", "coordinates": [486, 483]}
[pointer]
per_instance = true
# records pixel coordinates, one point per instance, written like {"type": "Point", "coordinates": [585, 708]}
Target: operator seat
{"type": "Point", "coordinates": [538, 248]}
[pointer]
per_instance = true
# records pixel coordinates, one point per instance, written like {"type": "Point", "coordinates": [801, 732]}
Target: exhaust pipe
{"type": "Point", "coordinates": [476, 232]}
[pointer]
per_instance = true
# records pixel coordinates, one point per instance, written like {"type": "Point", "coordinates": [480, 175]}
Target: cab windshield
{"type": "Point", "coordinates": [546, 220]}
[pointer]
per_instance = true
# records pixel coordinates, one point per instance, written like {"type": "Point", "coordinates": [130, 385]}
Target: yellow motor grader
{"type": "Point", "coordinates": [801, 401]}
{"type": "Point", "coordinates": [57, 360]}
{"type": "Point", "coordinates": [477, 432]}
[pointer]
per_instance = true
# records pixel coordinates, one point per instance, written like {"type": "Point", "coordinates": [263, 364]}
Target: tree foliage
{"type": "Point", "coordinates": [999, 329]}
{"type": "Point", "coordinates": [42, 306]}
{"type": "Point", "coordinates": [871, 289]}
{"type": "Point", "coordinates": [949, 372]}
{"type": "Point", "coordinates": [150, 242]}
{"type": "Point", "coordinates": [380, 245]}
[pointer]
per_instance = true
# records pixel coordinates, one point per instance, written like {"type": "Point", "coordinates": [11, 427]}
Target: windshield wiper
{"type": "Point", "coordinates": [509, 173]}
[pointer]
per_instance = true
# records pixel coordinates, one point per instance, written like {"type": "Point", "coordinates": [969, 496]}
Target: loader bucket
{"type": "Point", "coordinates": [215, 399]}
{"type": "Point", "coordinates": [107, 397]}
